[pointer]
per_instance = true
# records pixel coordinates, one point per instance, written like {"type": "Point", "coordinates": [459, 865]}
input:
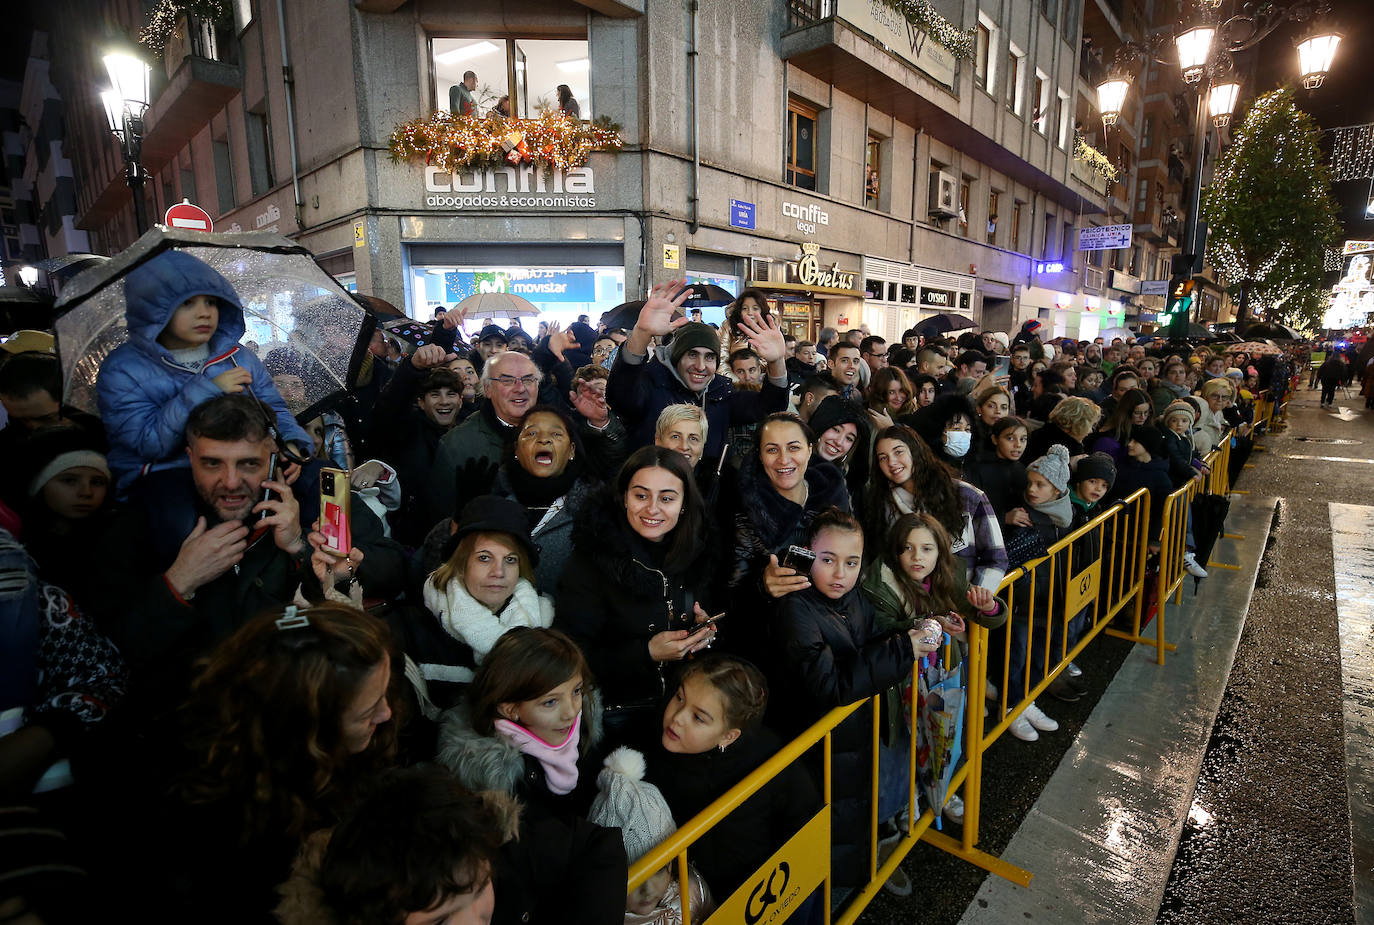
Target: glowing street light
{"type": "Point", "coordinates": [125, 104]}
{"type": "Point", "coordinates": [1221, 102]}
{"type": "Point", "coordinates": [1111, 98]}
{"type": "Point", "coordinates": [1315, 53]}
{"type": "Point", "coordinates": [1194, 46]}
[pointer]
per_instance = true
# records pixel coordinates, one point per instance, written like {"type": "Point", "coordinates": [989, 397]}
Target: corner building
{"type": "Point", "coordinates": [824, 151]}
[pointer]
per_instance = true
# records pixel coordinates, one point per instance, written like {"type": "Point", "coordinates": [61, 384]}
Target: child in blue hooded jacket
{"type": "Point", "coordinates": [185, 322]}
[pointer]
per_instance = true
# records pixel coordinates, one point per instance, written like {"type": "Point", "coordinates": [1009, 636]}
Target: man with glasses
{"type": "Point", "coordinates": [874, 351]}
{"type": "Point", "coordinates": [471, 451]}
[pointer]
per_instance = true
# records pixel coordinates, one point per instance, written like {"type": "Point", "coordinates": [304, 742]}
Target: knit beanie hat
{"type": "Point", "coordinates": [625, 800]}
{"type": "Point", "coordinates": [834, 411]}
{"type": "Point", "coordinates": [1234, 373]}
{"type": "Point", "coordinates": [690, 336]}
{"type": "Point", "coordinates": [1095, 466]}
{"type": "Point", "coordinates": [1054, 466]}
{"type": "Point", "coordinates": [1179, 406]}
{"type": "Point", "coordinates": [1001, 338]}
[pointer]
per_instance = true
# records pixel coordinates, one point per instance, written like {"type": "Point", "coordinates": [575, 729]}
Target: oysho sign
{"type": "Point", "coordinates": [808, 217]}
{"type": "Point", "coordinates": [523, 187]}
{"type": "Point", "coordinates": [809, 272]}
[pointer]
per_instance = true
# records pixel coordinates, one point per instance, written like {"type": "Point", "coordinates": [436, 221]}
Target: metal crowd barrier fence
{"type": "Point", "coordinates": [1091, 577]}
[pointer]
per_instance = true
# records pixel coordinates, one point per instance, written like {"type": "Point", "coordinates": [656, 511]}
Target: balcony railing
{"type": "Point", "coordinates": [805, 12]}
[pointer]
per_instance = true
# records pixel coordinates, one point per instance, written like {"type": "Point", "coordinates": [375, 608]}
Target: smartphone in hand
{"type": "Point", "coordinates": [334, 512]}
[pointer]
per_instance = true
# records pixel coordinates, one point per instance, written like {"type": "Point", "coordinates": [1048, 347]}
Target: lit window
{"type": "Point", "coordinates": [475, 76]}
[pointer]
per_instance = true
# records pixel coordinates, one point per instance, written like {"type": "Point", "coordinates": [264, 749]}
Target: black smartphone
{"type": "Point", "coordinates": [799, 559]}
{"type": "Point", "coordinates": [267, 493]}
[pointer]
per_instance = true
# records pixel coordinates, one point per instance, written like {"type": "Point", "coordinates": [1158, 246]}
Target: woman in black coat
{"type": "Point", "coordinates": [636, 586]}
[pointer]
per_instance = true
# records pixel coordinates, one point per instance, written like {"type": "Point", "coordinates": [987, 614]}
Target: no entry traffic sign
{"type": "Point", "coordinates": [186, 215]}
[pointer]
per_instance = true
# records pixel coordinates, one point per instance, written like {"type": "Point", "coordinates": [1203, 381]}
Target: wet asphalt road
{"type": "Point", "coordinates": [1269, 836]}
{"type": "Point", "coordinates": [1268, 840]}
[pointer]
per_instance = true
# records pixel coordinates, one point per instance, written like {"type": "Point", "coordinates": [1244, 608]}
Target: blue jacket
{"type": "Point", "coordinates": [145, 395]}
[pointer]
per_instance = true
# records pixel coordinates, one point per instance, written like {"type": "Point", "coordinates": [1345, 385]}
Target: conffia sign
{"type": "Point", "coordinates": [523, 187]}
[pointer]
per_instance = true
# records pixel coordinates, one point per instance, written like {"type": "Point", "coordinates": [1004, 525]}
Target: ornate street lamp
{"type": "Point", "coordinates": [1111, 97]}
{"type": "Point", "coordinates": [1315, 53]}
{"type": "Point", "coordinates": [125, 103]}
{"type": "Point", "coordinates": [1221, 102]}
{"type": "Point", "coordinates": [1194, 48]}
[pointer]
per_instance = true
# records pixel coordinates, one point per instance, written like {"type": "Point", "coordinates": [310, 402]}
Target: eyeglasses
{"type": "Point", "coordinates": [507, 382]}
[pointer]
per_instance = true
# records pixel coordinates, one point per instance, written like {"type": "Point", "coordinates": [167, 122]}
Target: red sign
{"type": "Point", "coordinates": [190, 217]}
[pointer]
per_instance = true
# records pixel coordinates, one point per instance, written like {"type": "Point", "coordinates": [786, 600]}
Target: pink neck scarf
{"type": "Point", "coordinates": [559, 761]}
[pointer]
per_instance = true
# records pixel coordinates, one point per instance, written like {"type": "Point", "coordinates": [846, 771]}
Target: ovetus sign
{"type": "Point", "coordinates": [522, 187]}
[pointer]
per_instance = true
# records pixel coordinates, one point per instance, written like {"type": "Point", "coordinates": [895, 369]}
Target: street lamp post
{"type": "Point", "coordinates": [1204, 59]}
{"type": "Point", "coordinates": [126, 102]}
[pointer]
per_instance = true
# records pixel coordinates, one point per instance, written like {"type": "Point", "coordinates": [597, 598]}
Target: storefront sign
{"type": "Point", "coordinates": [809, 273]}
{"type": "Point", "coordinates": [267, 217]}
{"type": "Point", "coordinates": [1049, 268]}
{"type": "Point", "coordinates": [1154, 287]}
{"type": "Point", "coordinates": [741, 214]}
{"type": "Point", "coordinates": [904, 40]}
{"type": "Point", "coordinates": [1104, 237]}
{"type": "Point", "coordinates": [937, 298]}
{"type": "Point", "coordinates": [535, 285]}
{"type": "Point", "coordinates": [808, 217]}
{"type": "Point", "coordinates": [1122, 281]}
{"type": "Point", "coordinates": [523, 187]}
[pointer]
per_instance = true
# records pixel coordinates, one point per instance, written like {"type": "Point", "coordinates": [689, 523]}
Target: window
{"type": "Point", "coordinates": [1066, 245]}
{"type": "Point", "coordinates": [1016, 226]}
{"type": "Point", "coordinates": [992, 217]}
{"type": "Point", "coordinates": [1047, 246]}
{"type": "Point", "coordinates": [1062, 120]}
{"type": "Point", "coordinates": [224, 176]}
{"type": "Point", "coordinates": [1049, 9]}
{"type": "Point", "coordinates": [243, 14]}
{"type": "Point", "coordinates": [985, 53]}
{"type": "Point", "coordinates": [963, 206]}
{"type": "Point", "coordinates": [1147, 132]}
{"type": "Point", "coordinates": [188, 184]}
{"type": "Point", "coordinates": [259, 156]}
{"type": "Point", "coordinates": [801, 145]}
{"type": "Point", "coordinates": [1070, 18]}
{"type": "Point", "coordinates": [1142, 202]}
{"type": "Point", "coordinates": [476, 76]}
{"type": "Point", "coordinates": [1042, 101]}
{"type": "Point", "coordinates": [1015, 95]}
{"type": "Point", "coordinates": [873, 171]}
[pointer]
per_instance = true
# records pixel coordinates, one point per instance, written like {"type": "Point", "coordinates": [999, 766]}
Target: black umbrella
{"type": "Point", "coordinates": [943, 323]}
{"type": "Point", "coordinates": [22, 307]}
{"type": "Point", "coordinates": [626, 314]}
{"type": "Point", "coordinates": [704, 294]}
{"type": "Point", "coordinates": [1271, 330]}
{"type": "Point", "coordinates": [293, 310]}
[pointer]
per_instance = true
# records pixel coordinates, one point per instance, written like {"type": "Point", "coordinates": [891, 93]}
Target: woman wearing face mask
{"type": "Point", "coordinates": [637, 590]}
{"type": "Point", "coordinates": [907, 478]}
{"type": "Point", "coordinates": [948, 428]}
{"type": "Point", "coordinates": [545, 475]}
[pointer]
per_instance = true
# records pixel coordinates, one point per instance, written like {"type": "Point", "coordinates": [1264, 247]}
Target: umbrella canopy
{"type": "Point", "coordinates": [1256, 348]}
{"type": "Point", "coordinates": [24, 308]}
{"type": "Point", "coordinates": [623, 315]}
{"type": "Point", "coordinates": [1271, 330]}
{"type": "Point", "coordinates": [1123, 333]}
{"type": "Point", "coordinates": [496, 305]}
{"type": "Point", "coordinates": [943, 323]}
{"type": "Point", "coordinates": [704, 294]}
{"type": "Point", "coordinates": [296, 317]}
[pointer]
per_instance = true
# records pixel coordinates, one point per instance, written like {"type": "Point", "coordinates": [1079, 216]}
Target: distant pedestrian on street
{"type": "Point", "coordinates": [1330, 374]}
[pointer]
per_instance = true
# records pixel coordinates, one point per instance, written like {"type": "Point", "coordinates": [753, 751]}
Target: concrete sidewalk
{"type": "Point", "coordinates": [1102, 836]}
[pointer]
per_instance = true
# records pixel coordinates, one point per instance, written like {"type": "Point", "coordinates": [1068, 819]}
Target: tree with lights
{"type": "Point", "coordinates": [1270, 213]}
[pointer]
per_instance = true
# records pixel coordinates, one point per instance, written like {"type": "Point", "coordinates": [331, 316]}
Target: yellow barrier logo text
{"type": "Point", "coordinates": [779, 886]}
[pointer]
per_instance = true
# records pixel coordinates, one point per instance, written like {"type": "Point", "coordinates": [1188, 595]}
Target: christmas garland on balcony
{"type": "Point", "coordinates": [1097, 162]}
{"type": "Point", "coordinates": [471, 142]}
{"type": "Point", "coordinates": [942, 32]}
{"type": "Point", "coordinates": [162, 21]}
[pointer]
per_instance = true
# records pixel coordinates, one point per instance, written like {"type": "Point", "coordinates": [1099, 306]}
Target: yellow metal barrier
{"type": "Point", "coordinates": [1111, 582]}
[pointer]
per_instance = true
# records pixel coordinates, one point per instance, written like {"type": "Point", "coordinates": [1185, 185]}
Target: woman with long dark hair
{"type": "Point", "coordinates": [637, 588]}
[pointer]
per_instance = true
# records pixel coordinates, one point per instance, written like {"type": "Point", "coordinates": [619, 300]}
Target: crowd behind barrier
{"type": "Point", "coordinates": [447, 645]}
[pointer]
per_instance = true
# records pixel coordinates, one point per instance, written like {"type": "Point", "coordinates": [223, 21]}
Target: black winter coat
{"type": "Point", "coordinates": [617, 591]}
{"type": "Point", "coordinates": [1042, 438]}
{"type": "Point", "coordinates": [407, 440]}
{"type": "Point", "coordinates": [826, 655]}
{"type": "Point", "coordinates": [728, 854]}
{"type": "Point", "coordinates": [1002, 480]}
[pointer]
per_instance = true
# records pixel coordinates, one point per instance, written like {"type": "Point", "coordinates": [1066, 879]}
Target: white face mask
{"type": "Point", "coordinates": [957, 443]}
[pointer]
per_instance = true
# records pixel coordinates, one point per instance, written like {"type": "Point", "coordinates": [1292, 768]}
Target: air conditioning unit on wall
{"type": "Point", "coordinates": [944, 194]}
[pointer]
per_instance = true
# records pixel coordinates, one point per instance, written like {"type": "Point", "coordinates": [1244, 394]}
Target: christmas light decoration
{"type": "Point", "coordinates": [162, 21]}
{"type": "Point", "coordinates": [468, 142]}
{"type": "Point", "coordinates": [1352, 152]}
{"type": "Point", "coordinates": [921, 15]}
{"type": "Point", "coordinates": [1095, 160]}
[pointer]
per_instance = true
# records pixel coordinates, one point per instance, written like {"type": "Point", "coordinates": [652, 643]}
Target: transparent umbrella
{"type": "Point", "coordinates": [310, 334]}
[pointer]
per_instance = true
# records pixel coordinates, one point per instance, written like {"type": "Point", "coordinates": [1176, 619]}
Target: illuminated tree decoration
{"type": "Point", "coordinates": [1096, 161]}
{"type": "Point", "coordinates": [921, 15]}
{"type": "Point", "coordinates": [162, 21]}
{"type": "Point", "coordinates": [455, 142]}
{"type": "Point", "coordinates": [1271, 214]}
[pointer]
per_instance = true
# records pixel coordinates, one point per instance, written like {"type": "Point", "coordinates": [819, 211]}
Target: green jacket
{"type": "Point", "coordinates": [894, 614]}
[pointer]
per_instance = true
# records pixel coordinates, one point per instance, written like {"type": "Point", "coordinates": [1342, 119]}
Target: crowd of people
{"type": "Point", "coordinates": [590, 580]}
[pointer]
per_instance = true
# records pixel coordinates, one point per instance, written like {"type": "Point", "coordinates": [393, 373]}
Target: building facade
{"type": "Point", "coordinates": [824, 151]}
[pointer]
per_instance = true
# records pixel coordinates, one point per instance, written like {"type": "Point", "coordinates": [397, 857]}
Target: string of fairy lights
{"type": "Point", "coordinates": [456, 142]}
{"type": "Point", "coordinates": [1352, 152]}
{"type": "Point", "coordinates": [944, 33]}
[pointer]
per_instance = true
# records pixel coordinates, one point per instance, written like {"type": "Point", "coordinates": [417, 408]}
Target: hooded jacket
{"type": "Point", "coordinates": [640, 391]}
{"type": "Point", "coordinates": [145, 395]}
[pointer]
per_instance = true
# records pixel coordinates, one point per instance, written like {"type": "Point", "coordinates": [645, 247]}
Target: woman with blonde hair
{"type": "Point", "coordinates": [1071, 422]}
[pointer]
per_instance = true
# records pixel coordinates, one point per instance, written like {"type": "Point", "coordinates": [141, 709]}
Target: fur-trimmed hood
{"type": "Point", "coordinates": [482, 762]}
{"type": "Point", "coordinates": [302, 900]}
{"type": "Point", "coordinates": [775, 518]}
{"type": "Point", "coordinates": [602, 531]}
